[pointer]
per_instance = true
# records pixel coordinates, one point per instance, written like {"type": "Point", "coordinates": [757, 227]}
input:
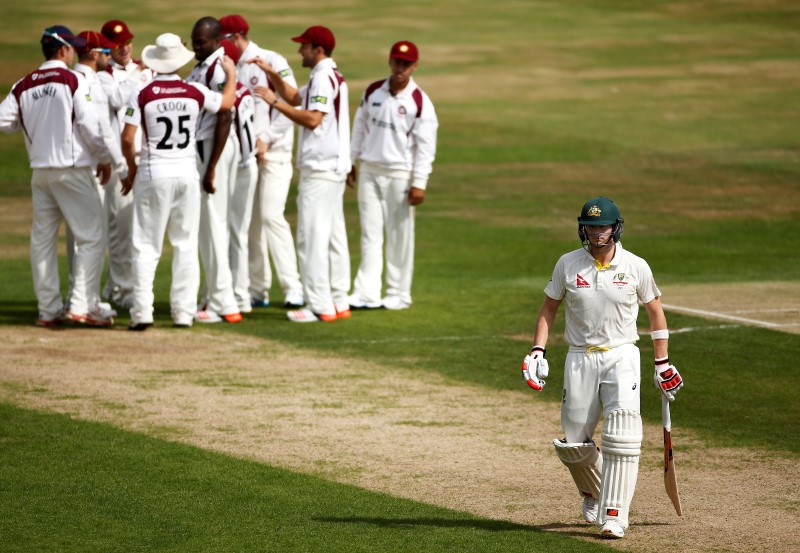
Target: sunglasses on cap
{"type": "Point", "coordinates": [58, 38]}
{"type": "Point", "coordinates": [102, 50]}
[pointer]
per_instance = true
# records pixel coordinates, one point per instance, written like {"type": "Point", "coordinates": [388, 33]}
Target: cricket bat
{"type": "Point", "coordinates": [670, 478]}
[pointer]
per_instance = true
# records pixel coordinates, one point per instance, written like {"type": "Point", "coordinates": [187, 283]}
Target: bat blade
{"type": "Point", "coordinates": [670, 477]}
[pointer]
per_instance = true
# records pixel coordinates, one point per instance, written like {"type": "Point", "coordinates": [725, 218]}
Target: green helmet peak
{"type": "Point", "coordinates": [599, 211]}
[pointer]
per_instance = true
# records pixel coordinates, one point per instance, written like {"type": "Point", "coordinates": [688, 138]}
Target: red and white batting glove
{"type": "Point", "coordinates": [667, 378]}
{"type": "Point", "coordinates": [535, 368]}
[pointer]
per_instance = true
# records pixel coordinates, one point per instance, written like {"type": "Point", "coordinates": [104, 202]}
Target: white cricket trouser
{"type": "Point", "coordinates": [119, 213]}
{"type": "Point", "coordinates": [240, 214]}
{"type": "Point", "coordinates": [595, 382]}
{"type": "Point", "coordinates": [270, 233]}
{"type": "Point", "coordinates": [383, 206]}
{"type": "Point", "coordinates": [214, 235]}
{"type": "Point", "coordinates": [70, 243]}
{"type": "Point", "coordinates": [72, 194]}
{"type": "Point", "coordinates": [173, 206]}
{"type": "Point", "coordinates": [322, 240]}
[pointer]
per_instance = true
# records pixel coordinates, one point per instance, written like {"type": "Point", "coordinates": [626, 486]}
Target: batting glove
{"type": "Point", "coordinates": [667, 378]}
{"type": "Point", "coordinates": [535, 368]}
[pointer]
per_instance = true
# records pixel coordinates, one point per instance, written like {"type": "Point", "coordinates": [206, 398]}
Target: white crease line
{"type": "Point", "coordinates": [421, 339]}
{"type": "Point", "coordinates": [717, 315]}
{"type": "Point", "coordinates": [784, 310]}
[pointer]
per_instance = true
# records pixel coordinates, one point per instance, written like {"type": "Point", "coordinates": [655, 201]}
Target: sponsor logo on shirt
{"type": "Point", "coordinates": [318, 100]}
{"type": "Point", "coordinates": [129, 112]}
{"type": "Point", "coordinates": [285, 73]}
{"type": "Point", "coordinates": [581, 282]}
{"type": "Point", "coordinates": [376, 104]}
{"type": "Point", "coordinates": [88, 97]}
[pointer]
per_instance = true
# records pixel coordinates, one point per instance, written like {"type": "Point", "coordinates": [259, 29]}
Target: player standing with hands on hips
{"type": "Point", "coordinates": [394, 137]}
{"type": "Point", "coordinates": [602, 284]}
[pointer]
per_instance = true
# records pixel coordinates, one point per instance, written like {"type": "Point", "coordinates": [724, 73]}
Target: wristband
{"type": "Point", "coordinates": [539, 348]}
{"type": "Point", "coordinates": [662, 361]}
{"type": "Point", "coordinates": [660, 334]}
{"type": "Point", "coordinates": [275, 102]}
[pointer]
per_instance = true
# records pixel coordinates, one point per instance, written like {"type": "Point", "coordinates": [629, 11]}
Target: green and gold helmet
{"type": "Point", "coordinates": [600, 211]}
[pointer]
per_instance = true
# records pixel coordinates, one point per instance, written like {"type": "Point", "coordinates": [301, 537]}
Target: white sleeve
{"type": "Point", "coordinates": [556, 288]}
{"type": "Point", "coordinates": [423, 146]}
{"type": "Point", "coordinates": [359, 132]}
{"type": "Point", "coordinates": [212, 100]}
{"type": "Point", "coordinates": [279, 124]}
{"type": "Point", "coordinates": [133, 115]}
{"type": "Point", "coordinates": [9, 113]}
{"type": "Point", "coordinates": [112, 142]}
{"type": "Point", "coordinates": [647, 290]}
{"type": "Point", "coordinates": [321, 94]}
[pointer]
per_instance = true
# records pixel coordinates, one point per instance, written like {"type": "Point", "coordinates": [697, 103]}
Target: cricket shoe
{"type": "Point", "coordinates": [395, 303]}
{"type": "Point", "coordinates": [294, 300]}
{"type": "Point", "coordinates": [357, 301]}
{"type": "Point", "coordinates": [589, 509]}
{"type": "Point", "coordinates": [612, 529]}
{"type": "Point", "coordinates": [343, 311]}
{"type": "Point", "coordinates": [43, 322]}
{"type": "Point", "coordinates": [308, 316]}
{"type": "Point", "coordinates": [96, 317]}
{"type": "Point", "coordinates": [207, 316]}
{"type": "Point", "coordinates": [257, 303]}
{"type": "Point", "coordinates": [139, 327]}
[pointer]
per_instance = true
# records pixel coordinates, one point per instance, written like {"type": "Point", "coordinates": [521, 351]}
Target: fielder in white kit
{"type": "Point", "coordinates": [217, 150]}
{"type": "Point", "coordinates": [324, 162]}
{"type": "Point", "coordinates": [269, 231]}
{"type": "Point", "coordinates": [602, 284]}
{"type": "Point", "coordinates": [53, 108]}
{"type": "Point", "coordinates": [394, 138]}
{"type": "Point", "coordinates": [167, 185]}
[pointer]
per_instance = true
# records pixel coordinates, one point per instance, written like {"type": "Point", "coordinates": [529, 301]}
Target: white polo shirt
{"type": "Point", "coordinates": [272, 127]}
{"type": "Point", "coordinates": [601, 305]}
{"type": "Point", "coordinates": [168, 109]}
{"type": "Point", "coordinates": [326, 148]}
{"type": "Point", "coordinates": [396, 132]}
{"type": "Point", "coordinates": [209, 73]}
{"type": "Point", "coordinates": [53, 107]}
{"type": "Point", "coordinates": [100, 102]}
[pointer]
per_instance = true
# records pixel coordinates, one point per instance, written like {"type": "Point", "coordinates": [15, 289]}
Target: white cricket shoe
{"type": "Point", "coordinates": [612, 529]}
{"type": "Point", "coordinates": [395, 303]}
{"type": "Point", "coordinates": [207, 316]}
{"type": "Point", "coordinates": [589, 509]}
{"type": "Point", "coordinates": [357, 301]}
{"type": "Point", "coordinates": [308, 316]}
{"type": "Point", "coordinates": [96, 317]}
{"type": "Point", "coordinates": [294, 299]}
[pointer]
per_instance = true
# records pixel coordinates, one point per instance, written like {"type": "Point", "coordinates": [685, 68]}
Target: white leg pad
{"type": "Point", "coordinates": [585, 463]}
{"type": "Point", "coordinates": [621, 447]}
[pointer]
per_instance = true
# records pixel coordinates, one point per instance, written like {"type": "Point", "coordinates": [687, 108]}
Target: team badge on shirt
{"type": "Point", "coordinates": [581, 282]}
{"type": "Point", "coordinates": [129, 112]}
{"type": "Point", "coordinates": [253, 80]}
{"type": "Point", "coordinates": [401, 110]}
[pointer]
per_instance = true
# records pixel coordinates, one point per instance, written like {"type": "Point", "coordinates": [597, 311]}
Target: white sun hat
{"type": "Point", "coordinates": [167, 55]}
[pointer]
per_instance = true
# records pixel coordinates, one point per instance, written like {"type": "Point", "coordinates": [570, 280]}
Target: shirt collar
{"type": "Point", "coordinates": [215, 55]}
{"type": "Point", "coordinates": [323, 65]}
{"type": "Point", "coordinates": [50, 64]}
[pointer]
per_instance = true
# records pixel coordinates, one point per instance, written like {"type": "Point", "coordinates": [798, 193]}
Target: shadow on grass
{"type": "Point", "coordinates": [384, 522]}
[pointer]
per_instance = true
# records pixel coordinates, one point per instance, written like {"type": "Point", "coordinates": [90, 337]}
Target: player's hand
{"type": "Point", "coordinates": [535, 368]}
{"type": "Point", "coordinates": [667, 378]}
{"type": "Point", "coordinates": [208, 181]}
{"type": "Point", "coordinates": [416, 196]}
{"type": "Point", "coordinates": [103, 172]}
{"type": "Point", "coordinates": [261, 151]}
{"type": "Point", "coordinates": [127, 184]}
{"type": "Point", "coordinates": [265, 94]}
{"type": "Point", "coordinates": [228, 66]}
{"type": "Point", "coordinates": [265, 67]}
{"type": "Point", "coordinates": [350, 180]}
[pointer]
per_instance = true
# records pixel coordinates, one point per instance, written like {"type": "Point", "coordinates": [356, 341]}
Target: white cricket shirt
{"type": "Point", "coordinates": [601, 305]}
{"type": "Point", "coordinates": [396, 132]}
{"type": "Point", "coordinates": [209, 73]}
{"type": "Point", "coordinates": [244, 124]}
{"type": "Point", "coordinates": [53, 107]}
{"type": "Point", "coordinates": [100, 102]}
{"type": "Point", "coordinates": [272, 127]}
{"type": "Point", "coordinates": [168, 109]}
{"type": "Point", "coordinates": [326, 148]}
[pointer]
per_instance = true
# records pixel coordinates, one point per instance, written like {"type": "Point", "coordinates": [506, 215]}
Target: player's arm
{"type": "Point", "coordinates": [423, 151]}
{"type": "Point", "coordinates": [534, 367]}
{"type": "Point", "coordinates": [544, 321]}
{"type": "Point", "coordinates": [9, 114]}
{"type": "Point", "coordinates": [658, 325]}
{"type": "Point", "coordinates": [310, 119]}
{"type": "Point", "coordinates": [128, 141]}
{"type": "Point", "coordinates": [667, 378]}
{"type": "Point", "coordinates": [221, 131]}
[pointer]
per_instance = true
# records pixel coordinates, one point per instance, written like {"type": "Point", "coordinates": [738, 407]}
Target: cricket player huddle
{"type": "Point", "coordinates": [126, 152]}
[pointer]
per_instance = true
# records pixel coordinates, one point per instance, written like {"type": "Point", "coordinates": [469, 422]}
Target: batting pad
{"type": "Point", "coordinates": [584, 463]}
{"type": "Point", "coordinates": [621, 447]}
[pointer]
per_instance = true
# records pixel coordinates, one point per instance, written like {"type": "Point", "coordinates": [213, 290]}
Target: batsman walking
{"type": "Point", "coordinates": [602, 284]}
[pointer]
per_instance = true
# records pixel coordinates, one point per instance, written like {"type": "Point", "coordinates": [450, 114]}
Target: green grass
{"type": "Point", "coordinates": [76, 486]}
{"type": "Point", "coordinates": [683, 111]}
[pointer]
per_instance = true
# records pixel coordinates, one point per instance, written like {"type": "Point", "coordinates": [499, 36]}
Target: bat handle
{"type": "Point", "coordinates": [665, 417]}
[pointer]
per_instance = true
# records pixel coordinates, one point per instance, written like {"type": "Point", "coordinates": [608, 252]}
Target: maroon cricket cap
{"type": "Point", "coordinates": [117, 32]}
{"type": "Point", "coordinates": [233, 24]}
{"type": "Point", "coordinates": [94, 40]}
{"type": "Point", "coordinates": [231, 50]}
{"type": "Point", "coordinates": [321, 36]}
{"type": "Point", "coordinates": [404, 50]}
